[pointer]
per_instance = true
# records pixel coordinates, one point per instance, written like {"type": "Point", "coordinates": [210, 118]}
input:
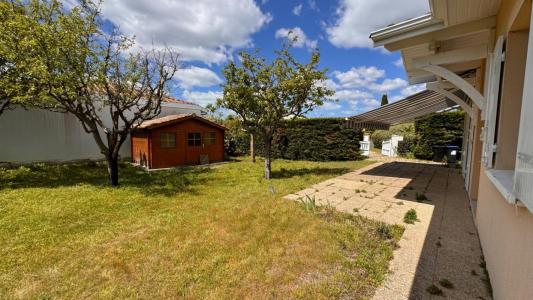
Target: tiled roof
{"type": "Point", "coordinates": [176, 101]}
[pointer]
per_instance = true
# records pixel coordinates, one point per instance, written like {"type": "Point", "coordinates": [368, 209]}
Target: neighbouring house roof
{"type": "Point", "coordinates": [172, 119]}
{"type": "Point", "coordinates": [401, 111]}
{"type": "Point", "coordinates": [176, 101]}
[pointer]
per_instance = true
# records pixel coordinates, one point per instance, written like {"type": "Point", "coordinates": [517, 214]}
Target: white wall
{"type": "Point", "coordinates": [39, 135]}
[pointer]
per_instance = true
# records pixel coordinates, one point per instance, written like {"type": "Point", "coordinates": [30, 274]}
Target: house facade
{"type": "Point", "coordinates": [39, 135]}
{"type": "Point", "coordinates": [484, 50]}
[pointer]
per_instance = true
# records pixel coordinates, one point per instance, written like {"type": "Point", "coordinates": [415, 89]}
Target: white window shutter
{"type": "Point", "coordinates": [491, 108]}
{"type": "Point", "coordinates": [485, 114]}
{"type": "Point", "coordinates": [523, 181]}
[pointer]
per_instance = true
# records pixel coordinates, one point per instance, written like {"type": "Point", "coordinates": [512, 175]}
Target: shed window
{"type": "Point", "coordinates": [209, 138]}
{"type": "Point", "coordinates": [167, 140]}
{"type": "Point", "coordinates": [194, 139]}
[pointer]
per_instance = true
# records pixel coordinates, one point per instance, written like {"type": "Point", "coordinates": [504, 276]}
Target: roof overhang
{"type": "Point", "coordinates": [456, 35]}
{"type": "Point", "coordinates": [406, 29]}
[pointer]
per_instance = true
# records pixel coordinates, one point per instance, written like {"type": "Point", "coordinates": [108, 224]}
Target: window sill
{"type": "Point", "coordinates": [503, 180]}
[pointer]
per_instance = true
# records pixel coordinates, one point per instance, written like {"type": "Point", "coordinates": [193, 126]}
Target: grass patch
{"type": "Point", "coordinates": [309, 203]}
{"type": "Point", "coordinates": [410, 216]}
{"type": "Point", "coordinates": [220, 232]}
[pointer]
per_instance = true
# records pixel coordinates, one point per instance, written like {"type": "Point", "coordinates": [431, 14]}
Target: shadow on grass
{"type": "Point", "coordinates": [285, 173]}
{"type": "Point", "coordinates": [165, 182]}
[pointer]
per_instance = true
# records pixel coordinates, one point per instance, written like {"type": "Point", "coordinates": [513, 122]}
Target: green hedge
{"type": "Point", "coordinates": [318, 139]}
{"type": "Point", "coordinates": [438, 129]}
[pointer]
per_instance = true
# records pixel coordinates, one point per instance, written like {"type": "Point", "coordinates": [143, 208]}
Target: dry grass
{"type": "Point", "coordinates": [195, 233]}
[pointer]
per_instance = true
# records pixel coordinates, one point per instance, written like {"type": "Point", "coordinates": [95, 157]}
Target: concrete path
{"type": "Point", "coordinates": [443, 244]}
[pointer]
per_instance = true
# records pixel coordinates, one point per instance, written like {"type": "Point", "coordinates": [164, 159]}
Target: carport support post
{"type": "Point", "coordinates": [252, 147]}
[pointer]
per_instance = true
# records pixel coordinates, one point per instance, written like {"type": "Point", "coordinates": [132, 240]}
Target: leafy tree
{"type": "Point", "coordinates": [384, 99]}
{"type": "Point", "coordinates": [17, 84]}
{"type": "Point", "coordinates": [78, 68]}
{"type": "Point", "coordinates": [263, 93]}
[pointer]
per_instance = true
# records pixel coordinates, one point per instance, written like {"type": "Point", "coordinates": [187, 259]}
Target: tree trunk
{"type": "Point", "coordinates": [252, 147]}
{"type": "Point", "coordinates": [112, 170]}
{"type": "Point", "coordinates": [268, 166]}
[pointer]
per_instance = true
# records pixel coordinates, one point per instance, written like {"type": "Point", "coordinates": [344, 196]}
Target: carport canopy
{"type": "Point", "coordinates": [408, 109]}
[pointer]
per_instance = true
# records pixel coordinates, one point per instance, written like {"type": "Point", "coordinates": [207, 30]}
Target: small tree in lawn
{"type": "Point", "coordinates": [94, 75]}
{"type": "Point", "coordinates": [384, 99]}
{"type": "Point", "coordinates": [263, 94]}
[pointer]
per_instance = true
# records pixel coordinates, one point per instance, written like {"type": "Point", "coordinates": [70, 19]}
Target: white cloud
{"type": "Point", "coordinates": [408, 91]}
{"type": "Point", "coordinates": [328, 83]}
{"type": "Point", "coordinates": [398, 63]}
{"type": "Point", "coordinates": [356, 19]}
{"type": "Point", "coordinates": [351, 95]}
{"type": "Point", "coordinates": [358, 77]}
{"type": "Point", "coordinates": [297, 9]}
{"type": "Point", "coordinates": [331, 105]}
{"type": "Point", "coordinates": [358, 88]}
{"type": "Point", "coordinates": [362, 105]}
{"type": "Point", "coordinates": [201, 98]}
{"type": "Point", "coordinates": [298, 34]}
{"type": "Point", "coordinates": [312, 5]}
{"type": "Point", "coordinates": [388, 85]}
{"type": "Point", "coordinates": [204, 30]}
{"type": "Point", "coordinates": [196, 77]}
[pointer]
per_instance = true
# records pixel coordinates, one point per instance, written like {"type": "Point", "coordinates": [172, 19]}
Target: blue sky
{"type": "Point", "coordinates": [209, 33]}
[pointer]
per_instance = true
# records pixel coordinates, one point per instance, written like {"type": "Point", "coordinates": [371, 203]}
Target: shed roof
{"type": "Point", "coordinates": [401, 111]}
{"type": "Point", "coordinates": [171, 119]}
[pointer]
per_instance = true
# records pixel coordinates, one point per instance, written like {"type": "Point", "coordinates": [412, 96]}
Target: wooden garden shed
{"type": "Point", "coordinates": [177, 140]}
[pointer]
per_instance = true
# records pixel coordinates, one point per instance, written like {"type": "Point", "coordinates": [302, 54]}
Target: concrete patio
{"type": "Point", "coordinates": [443, 244]}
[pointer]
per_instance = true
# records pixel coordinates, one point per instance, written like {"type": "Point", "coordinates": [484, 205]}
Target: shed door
{"type": "Point", "coordinates": [194, 147]}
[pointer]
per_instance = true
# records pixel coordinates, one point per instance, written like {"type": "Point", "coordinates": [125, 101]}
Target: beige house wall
{"type": "Point", "coordinates": [506, 234]}
{"type": "Point", "coordinates": [506, 230]}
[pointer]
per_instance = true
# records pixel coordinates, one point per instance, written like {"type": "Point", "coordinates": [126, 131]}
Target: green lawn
{"type": "Point", "coordinates": [220, 232]}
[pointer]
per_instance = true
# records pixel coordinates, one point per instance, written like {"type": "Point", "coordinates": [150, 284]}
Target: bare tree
{"type": "Point", "coordinates": [127, 92]}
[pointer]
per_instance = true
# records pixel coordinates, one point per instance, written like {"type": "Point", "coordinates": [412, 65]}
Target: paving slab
{"type": "Point", "coordinates": [443, 243]}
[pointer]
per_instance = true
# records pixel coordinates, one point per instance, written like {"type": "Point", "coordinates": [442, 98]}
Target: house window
{"type": "Point", "coordinates": [209, 138]}
{"type": "Point", "coordinates": [194, 139]}
{"type": "Point", "coordinates": [167, 140]}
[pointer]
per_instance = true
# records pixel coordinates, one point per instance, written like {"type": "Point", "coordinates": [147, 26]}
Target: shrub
{"type": "Point", "coordinates": [318, 139]}
{"type": "Point", "coordinates": [438, 129]}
